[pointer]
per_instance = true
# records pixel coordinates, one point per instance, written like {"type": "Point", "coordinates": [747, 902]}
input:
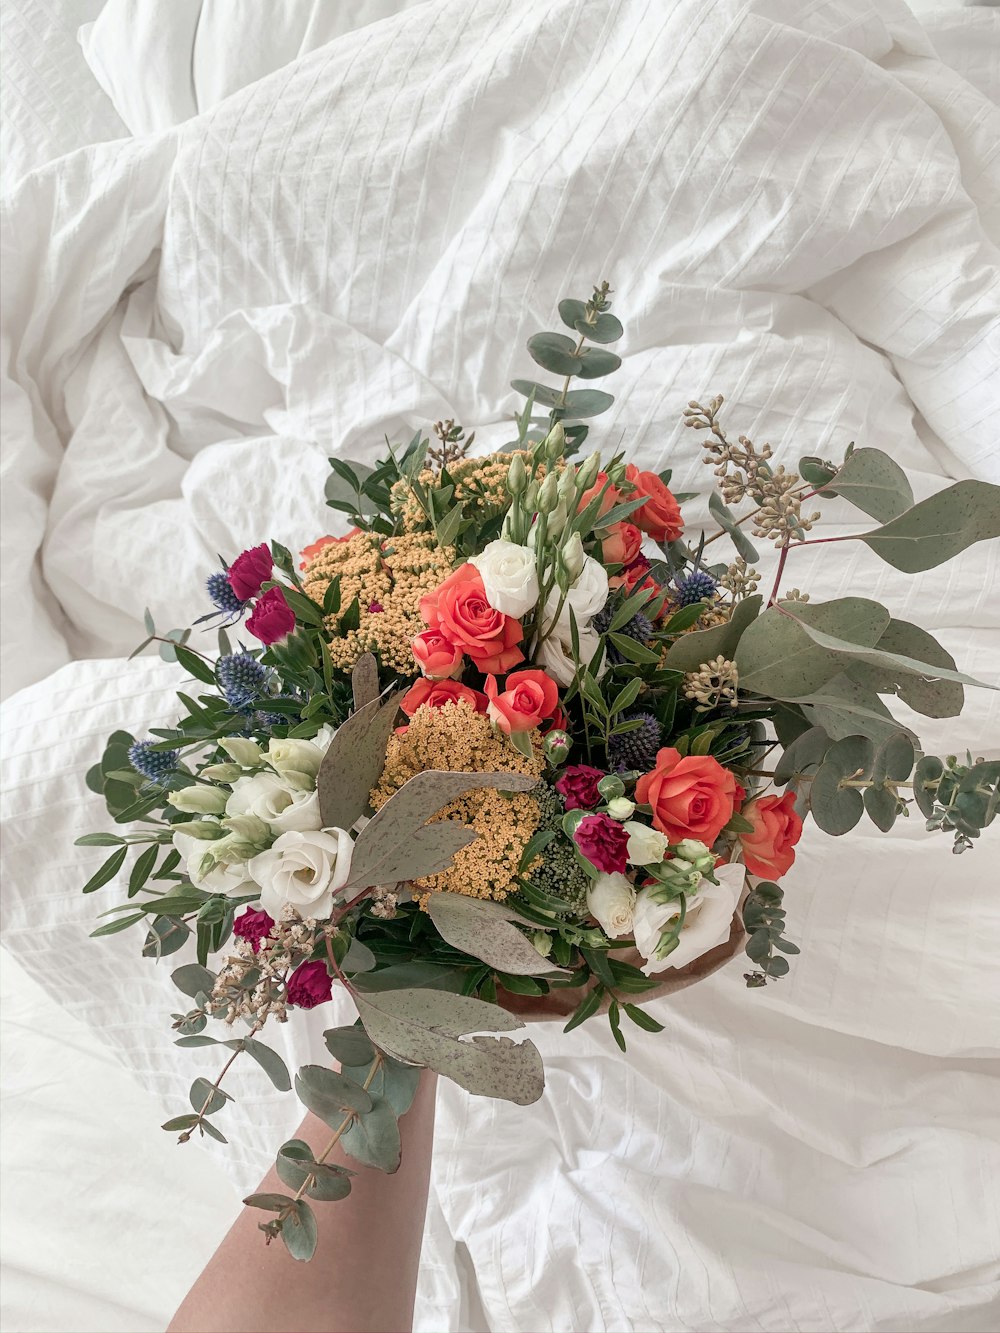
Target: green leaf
{"type": "Point", "coordinates": [483, 930]}
{"type": "Point", "coordinates": [144, 865]}
{"type": "Point", "coordinates": [192, 979]}
{"type": "Point", "coordinates": [726, 520]}
{"type": "Point", "coordinates": [816, 471]}
{"type": "Point", "coordinates": [845, 707]}
{"type": "Point", "coordinates": [354, 761]}
{"type": "Point", "coordinates": [197, 1040]}
{"type": "Point", "coordinates": [166, 935]}
{"type": "Point", "coordinates": [533, 847]}
{"type": "Point", "coordinates": [615, 1023]}
{"type": "Point", "coordinates": [703, 645]}
{"type": "Point", "coordinates": [194, 665]}
{"type": "Point", "coordinates": [270, 1061]}
{"type": "Point", "coordinates": [938, 528]}
{"type": "Point", "coordinates": [99, 840]}
{"type": "Point", "coordinates": [330, 1095]}
{"type": "Point", "coordinates": [596, 363]}
{"type": "Point", "coordinates": [399, 844]}
{"type": "Point", "coordinates": [113, 927]}
{"type": "Point", "coordinates": [107, 872]}
{"type": "Point", "coordinates": [447, 529]}
{"type": "Point", "coordinates": [206, 1099]}
{"type": "Point", "coordinates": [271, 1203]}
{"type": "Point", "coordinates": [642, 1019]}
{"type": "Point", "coordinates": [926, 776]}
{"type": "Point", "coordinates": [587, 1007]}
{"type": "Point", "coordinates": [805, 754]}
{"type": "Point", "coordinates": [874, 483]}
{"type": "Point", "coordinates": [373, 1139]}
{"type": "Point", "coordinates": [835, 808]}
{"type": "Point", "coordinates": [785, 655]}
{"type": "Point", "coordinates": [882, 807]}
{"type": "Point", "coordinates": [294, 1164]}
{"type": "Point", "coordinates": [909, 644]}
{"type": "Point", "coordinates": [180, 1122]}
{"type": "Point", "coordinates": [893, 759]}
{"type": "Point", "coordinates": [349, 1045]}
{"type": "Point", "coordinates": [425, 1027]}
{"type": "Point", "coordinates": [555, 352]}
{"type": "Point", "coordinates": [633, 651]}
{"type": "Point", "coordinates": [684, 618]}
{"type": "Point", "coordinates": [395, 1081]}
{"type": "Point", "coordinates": [588, 402]}
{"type": "Point", "coordinates": [570, 311]}
{"type": "Point", "coordinates": [344, 485]}
{"type": "Point", "coordinates": [299, 1232]}
{"type": "Point", "coordinates": [542, 394]}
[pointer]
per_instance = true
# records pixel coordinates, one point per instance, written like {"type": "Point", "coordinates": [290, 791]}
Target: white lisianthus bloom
{"type": "Point", "coordinates": [586, 597]}
{"type": "Point", "coordinates": [246, 753]}
{"type": "Point", "coordinates": [556, 657]}
{"type": "Point", "coordinates": [296, 761]}
{"type": "Point", "coordinates": [207, 873]}
{"type": "Point", "coordinates": [280, 805]}
{"type": "Point", "coordinates": [199, 800]}
{"type": "Point", "coordinates": [304, 871]}
{"type": "Point", "coordinates": [646, 846]}
{"type": "Point", "coordinates": [707, 924]}
{"type": "Point", "coordinates": [611, 900]}
{"type": "Point", "coordinates": [509, 577]}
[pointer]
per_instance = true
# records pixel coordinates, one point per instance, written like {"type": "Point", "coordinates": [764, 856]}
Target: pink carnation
{"type": "Point", "coordinates": [309, 985]}
{"type": "Point", "coordinates": [249, 570]}
{"type": "Point", "coordinates": [604, 842]}
{"type": "Point", "coordinates": [578, 786]}
{"type": "Point", "coordinates": [254, 926]}
{"type": "Point", "coordinates": [273, 619]}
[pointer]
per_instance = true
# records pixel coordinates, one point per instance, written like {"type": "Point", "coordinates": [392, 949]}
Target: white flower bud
{"type": "Point", "coordinates": [542, 941]}
{"type": "Point", "coordinates": [221, 772]}
{"type": "Point", "coordinates": [573, 556]}
{"type": "Point", "coordinates": [548, 495]}
{"type": "Point", "coordinates": [202, 829]}
{"type": "Point", "coordinates": [620, 807]}
{"type": "Point", "coordinates": [588, 470]}
{"type": "Point", "coordinates": [247, 753]}
{"type": "Point", "coordinates": [199, 800]}
{"type": "Point", "coordinates": [555, 442]}
{"type": "Point", "coordinates": [646, 846]}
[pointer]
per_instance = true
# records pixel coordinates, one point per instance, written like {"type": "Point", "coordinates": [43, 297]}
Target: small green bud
{"type": "Point", "coordinates": [558, 520]}
{"type": "Point", "coordinates": [201, 829]}
{"type": "Point", "coordinates": [542, 941]}
{"type": "Point", "coordinates": [247, 753]}
{"type": "Point", "coordinates": [221, 772]}
{"type": "Point", "coordinates": [548, 495]}
{"type": "Point", "coordinates": [557, 746]}
{"type": "Point", "coordinates": [572, 556]}
{"type": "Point", "coordinates": [695, 853]}
{"type": "Point", "coordinates": [587, 472]}
{"type": "Point", "coordinates": [616, 474]}
{"type": "Point", "coordinates": [567, 487]}
{"type": "Point", "coordinates": [555, 442]}
{"type": "Point", "coordinates": [198, 800]}
{"type": "Point", "coordinates": [530, 503]}
{"type": "Point", "coordinates": [517, 476]}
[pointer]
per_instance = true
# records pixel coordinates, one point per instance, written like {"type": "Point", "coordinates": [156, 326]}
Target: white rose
{"type": "Point", "coordinates": [586, 596]}
{"type": "Point", "coordinates": [296, 761]}
{"type": "Point", "coordinates": [611, 899]}
{"type": "Point", "coordinates": [303, 870]}
{"type": "Point", "coordinates": [205, 872]}
{"type": "Point", "coordinates": [556, 657]}
{"type": "Point", "coordinates": [281, 806]}
{"type": "Point", "coordinates": [199, 800]}
{"type": "Point", "coordinates": [509, 577]}
{"type": "Point", "coordinates": [646, 846]}
{"type": "Point", "coordinates": [706, 925]}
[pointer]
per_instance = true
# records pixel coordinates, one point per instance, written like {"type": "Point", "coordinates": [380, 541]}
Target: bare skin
{"type": "Point", "coordinates": [363, 1276]}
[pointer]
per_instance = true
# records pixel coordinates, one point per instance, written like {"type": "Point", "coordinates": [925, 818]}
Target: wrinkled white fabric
{"type": "Point", "coordinates": [796, 207]}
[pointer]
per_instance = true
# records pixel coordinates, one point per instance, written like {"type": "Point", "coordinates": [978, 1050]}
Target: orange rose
{"type": "Point", "coordinates": [622, 544]}
{"type": "Point", "coordinates": [459, 611]}
{"type": "Point", "coordinates": [691, 797]}
{"type": "Point", "coordinates": [308, 552]}
{"type": "Point", "coordinates": [435, 656]}
{"type": "Point", "coordinates": [769, 850]}
{"type": "Point", "coordinates": [436, 693]}
{"type": "Point", "coordinates": [528, 698]}
{"type": "Point", "coordinates": [660, 516]}
{"type": "Point", "coordinates": [611, 496]}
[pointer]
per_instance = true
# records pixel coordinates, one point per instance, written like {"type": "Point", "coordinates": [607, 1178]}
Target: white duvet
{"type": "Point", "coordinates": [797, 206]}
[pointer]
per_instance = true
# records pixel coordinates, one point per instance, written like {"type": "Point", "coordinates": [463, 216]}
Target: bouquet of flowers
{"type": "Point", "coordinates": [516, 733]}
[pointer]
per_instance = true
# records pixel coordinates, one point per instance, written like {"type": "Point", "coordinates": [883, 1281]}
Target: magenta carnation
{"type": "Point", "coordinates": [309, 985]}
{"type": "Point", "coordinates": [578, 786]}
{"type": "Point", "coordinates": [603, 841]}
{"type": "Point", "coordinates": [249, 570]}
{"type": "Point", "coordinates": [254, 926]}
{"type": "Point", "coordinates": [273, 619]}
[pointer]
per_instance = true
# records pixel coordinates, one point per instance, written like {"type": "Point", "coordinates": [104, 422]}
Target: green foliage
{"type": "Point", "coordinates": [873, 482]}
{"type": "Point", "coordinates": [764, 920]}
{"type": "Point", "coordinates": [938, 528]}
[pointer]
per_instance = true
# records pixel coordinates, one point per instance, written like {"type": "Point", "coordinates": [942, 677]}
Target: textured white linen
{"type": "Point", "coordinates": [793, 205]}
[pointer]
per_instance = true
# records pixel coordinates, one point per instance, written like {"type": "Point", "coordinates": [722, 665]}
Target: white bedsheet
{"type": "Point", "coordinates": [795, 205]}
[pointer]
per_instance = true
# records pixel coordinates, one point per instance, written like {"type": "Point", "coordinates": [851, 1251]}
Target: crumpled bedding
{"type": "Point", "coordinates": [797, 208]}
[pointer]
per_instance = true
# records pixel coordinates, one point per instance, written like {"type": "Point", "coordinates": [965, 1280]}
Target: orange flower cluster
{"type": "Point", "coordinates": [456, 737]}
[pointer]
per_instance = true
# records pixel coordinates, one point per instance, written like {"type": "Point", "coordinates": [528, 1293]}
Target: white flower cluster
{"type": "Point", "coordinates": [510, 580]}
{"type": "Point", "coordinates": [261, 830]}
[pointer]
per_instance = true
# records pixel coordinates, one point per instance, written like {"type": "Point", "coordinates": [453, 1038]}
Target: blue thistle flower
{"type": "Point", "coordinates": [221, 593]}
{"type": "Point", "coordinates": [154, 765]}
{"type": "Point", "coordinates": [241, 677]}
{"type": "Point", "coordinates": [640, 628]}
{"type": "Point", "coordinates": [695, 587]}
{"type": "Point", "coordinates": [635, 750]}
{"type": "Point", "coordinates": [268, 720]}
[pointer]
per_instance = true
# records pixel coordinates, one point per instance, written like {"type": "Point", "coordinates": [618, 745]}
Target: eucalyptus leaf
{"type": "Point", "coordinates": [784, 655]}
{"type": "Point", "coordinates": [935, 697]}
{"type": "Point", "coordinates": [192, 979]}
{"type": "Point", "coordinates": [425, 1027]}
{"type": "Point", "coordinates": [484, 929]}
{"type": "Point", "coordinates": [364, 680]}
{"type": "Point", "coordinates": [874, 483]}
{"type": "Point", "coordinates": [604, 329]}
{"type": "Point", "coordinates": [555, 352]}
{"type": "Point", "coordinates": [596, 363]}
{"type": "Point", "coordinates": [845, 707]}
{"type": "Point", "coordinates": [270, 1061]}
{"type": "Point", "coordinates": [373, 1139]}
{"type": "Point", "coordinates": [349, 1045]}
{"type": "Point", "coordinates": [299, 1232]}
{"type": "Point", "coordinates": [726, 520]}
{"type": "Point", "coordinates": [882, 807]}
{"type": "Point", "coordinates": [206, 1099]}
{"type": "Point", "coordinates": [835, 807]}
{"type": "Point", "coordinates": [804, 754]}
{"type": "Point", "coordinates": [399, 844]}
{"type": "Point", "coordinates": [393, 1080]}
{"type": "Point", "coordinates": [703, 645]}
{"type": "Point", "coordinates": [588, 402]}
{"type": "Point", "coordinates": [354, 761]}
{"type": "Point", "coordinates": [938, 528]}
{"type": "Point", "coordinates": [166, 935]}
{"type": "Point", "coordinates": [330, 1094]}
